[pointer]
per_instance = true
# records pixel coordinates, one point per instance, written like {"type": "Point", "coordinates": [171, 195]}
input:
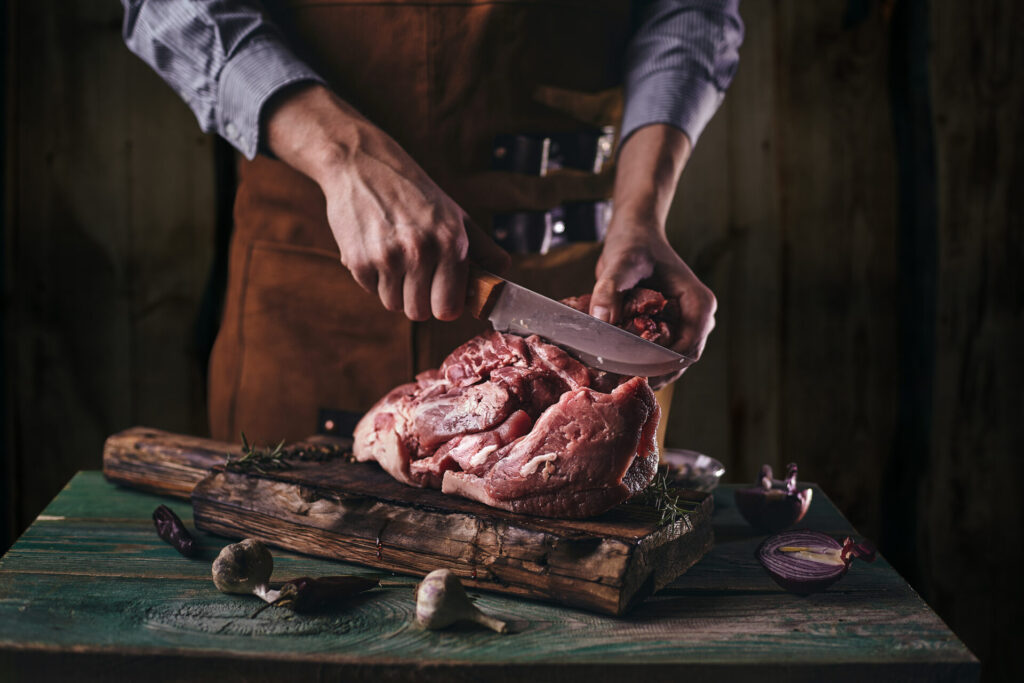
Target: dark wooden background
{"type": "Point", "coordinates": [854, 206]}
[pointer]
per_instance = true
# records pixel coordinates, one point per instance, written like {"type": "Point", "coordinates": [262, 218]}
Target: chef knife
{"type": "Point", "coordinates": [515, 309]}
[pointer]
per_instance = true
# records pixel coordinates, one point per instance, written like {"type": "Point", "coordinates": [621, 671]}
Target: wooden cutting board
{"type": "Point", "coordinates": [336, 508]}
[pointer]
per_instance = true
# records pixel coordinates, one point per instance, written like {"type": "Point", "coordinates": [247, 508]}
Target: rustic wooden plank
{"type": "Point", "coordinates": [726, 223]}
{"type": "Point", "coordinates": [970, 538]}
{"type": "Point", "coordinates": [161, 462]}
{"type": "Point", "coordinates": [358, 513]}
{"type": "Point", "coordinates": [171, 464]}
{"type": "Point", "coordinates": [838, 401]}
{"type": "Point", "coordinates": [698, 229]}
{"type": "Point", "coordinates": [341, 509]}
{"type": "Point", "coordinates": [91, 576]}
{"type": "Point", "coordinates": [111, 210]}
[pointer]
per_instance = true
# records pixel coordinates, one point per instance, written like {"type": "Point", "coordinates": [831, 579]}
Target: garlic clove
{"type": "Point", "coordinates": [442, 601]}
{"type": "Point", "coordinates": [243, 568]}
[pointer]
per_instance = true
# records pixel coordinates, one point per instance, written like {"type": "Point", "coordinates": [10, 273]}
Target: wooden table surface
{"type": "Point", "coordinates": [90, 592]}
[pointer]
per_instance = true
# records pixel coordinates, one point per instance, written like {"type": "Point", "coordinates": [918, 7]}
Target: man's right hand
{"type": "Point", "coordinates": [399, 234]}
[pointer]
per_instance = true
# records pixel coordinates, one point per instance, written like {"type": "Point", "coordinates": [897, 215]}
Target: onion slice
{"type": "Point", "coordinates": [805, 562]}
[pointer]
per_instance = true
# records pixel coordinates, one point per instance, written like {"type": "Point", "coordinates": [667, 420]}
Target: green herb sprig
{"type": "Point", "coordinates": [259, 460]}
{"type": "Point", "coordinates": [661, 495]}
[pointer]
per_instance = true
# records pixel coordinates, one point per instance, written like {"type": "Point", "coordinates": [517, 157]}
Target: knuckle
{"type": "Point", "coordinates": [709, 301]}
{"type": "Point", "coordinates": [390, 258]}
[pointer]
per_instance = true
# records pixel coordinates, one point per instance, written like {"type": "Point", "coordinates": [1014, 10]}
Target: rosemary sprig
{"type": "Point", "coordinates": [256, 460]}
{"type": "Point", "coordinates": [662, 496]}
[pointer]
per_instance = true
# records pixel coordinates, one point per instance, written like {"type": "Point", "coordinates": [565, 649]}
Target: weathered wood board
{"type": "Point", "coordinates": [356, 512]}
{"type": "Point", "coordinates": [90, 593]}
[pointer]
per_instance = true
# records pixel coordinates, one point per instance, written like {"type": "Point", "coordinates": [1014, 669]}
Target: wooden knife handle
{"type": "Point", "coordinates": [482, 292]}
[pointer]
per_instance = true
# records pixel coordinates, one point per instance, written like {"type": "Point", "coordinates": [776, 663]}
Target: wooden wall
{"type": "Point", "coordinates": [107, 251]}
{"type": "Point", "coordinates": [851, 205]}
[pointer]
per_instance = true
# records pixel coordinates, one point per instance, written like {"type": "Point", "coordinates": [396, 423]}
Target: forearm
{"type": "Point", "coordinates": [397, 232]}
{"type": "Point", "coordinates": [314, 131]}
{"type": "Point", "coordinates": [649, 167]}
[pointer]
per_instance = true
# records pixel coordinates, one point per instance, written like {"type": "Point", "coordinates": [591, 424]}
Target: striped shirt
{"type": "Point", "coordinates": [226, 59]}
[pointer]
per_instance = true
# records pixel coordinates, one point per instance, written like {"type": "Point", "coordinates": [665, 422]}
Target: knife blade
{"type": "Point", "coordinates": [518, 310]}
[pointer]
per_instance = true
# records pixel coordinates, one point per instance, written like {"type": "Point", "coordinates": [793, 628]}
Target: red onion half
{"type": "Point", "coordinates": [805, 562]}
{"type": "Point", "coordinates": [772, 504]}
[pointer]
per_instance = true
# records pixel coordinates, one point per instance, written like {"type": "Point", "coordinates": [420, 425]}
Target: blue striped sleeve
{"type": "Point", "coordinates": [680, 61]}
{"type": "Point", "coordinates": [223, 57]}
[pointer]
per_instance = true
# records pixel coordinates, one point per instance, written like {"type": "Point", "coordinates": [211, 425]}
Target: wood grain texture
{"type": "Point", "coordinates": [161, 462]}
{"type": "Point", "coordinates": [971, 536]}
{"type": "Point", "coordinates": [788, 210]}
{"type": "Point", "coordinates": [91, 589]}
{"type": "Point", "coordinates": [171, 464]}
{"type": "Point", "coordinates": [111, 219]}
{"type": "Point", "coordinates": [482, 291]}
{"type": "Point", "coordinates": [356, 512]}
{"type": "Point", "coordinates": [109, 205]}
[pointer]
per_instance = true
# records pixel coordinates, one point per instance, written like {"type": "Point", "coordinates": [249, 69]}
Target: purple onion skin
{"type": "Point", "coordinates": [772, 505]}
{"type": "Point", "coordinates": [802, 576]}
{"type": "Point", "coordinates": [771, 514]}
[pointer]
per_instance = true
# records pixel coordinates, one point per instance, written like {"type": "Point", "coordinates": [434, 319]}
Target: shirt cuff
{"type": "Point", "coordinates": [262, 66]}
{"type": "Point", "coordinates": [673, 97]}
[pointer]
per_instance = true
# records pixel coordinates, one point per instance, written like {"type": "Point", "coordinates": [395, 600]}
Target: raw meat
{"type": "Point", "coordinates": [645, 313]}
{"type": "Point", "coordinates": [588, 453]}
{"type": "Point", "coordinates": [517, 424]}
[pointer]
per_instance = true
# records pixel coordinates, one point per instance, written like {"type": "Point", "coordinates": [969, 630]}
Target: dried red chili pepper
{"type": "Point", "coordinates": [305, 594]}
{"type": "Point", "coordinates": [170, 528]}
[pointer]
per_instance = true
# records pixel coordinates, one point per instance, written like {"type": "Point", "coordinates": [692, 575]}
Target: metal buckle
{"type": "Point", "coordinates": [527, 232]}
{"type": "Point", "coordinates": [538, 154]}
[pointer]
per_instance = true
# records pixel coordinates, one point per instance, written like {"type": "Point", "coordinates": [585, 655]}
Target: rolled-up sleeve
{"type": "Point", "coordinates": [680, 61]}
{"type": "Point", "coordinates": [223, 57]}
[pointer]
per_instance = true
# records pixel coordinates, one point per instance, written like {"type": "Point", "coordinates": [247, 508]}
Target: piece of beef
{"type": "Point", "coordinates": [586, 454]}
{"type": "Point", "coordinates": [473, 453]}
{"type": "Point", "coordinates": [474, 360]}
{"type": "Point", "coordinates": [645, 313]}
{"type": "Point", "coordinates": [521, 425]}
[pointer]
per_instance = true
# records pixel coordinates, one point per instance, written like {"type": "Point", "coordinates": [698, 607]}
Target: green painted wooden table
{"type": "Point", "coordinates": [90, 592]}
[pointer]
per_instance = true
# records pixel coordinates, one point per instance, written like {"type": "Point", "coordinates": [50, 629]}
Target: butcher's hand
{"type": "Point", "coordinates": [399, 234]}
{"type": "Point", "coordinates": [636, 248]}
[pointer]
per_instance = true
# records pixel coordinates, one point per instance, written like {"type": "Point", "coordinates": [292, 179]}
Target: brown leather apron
{"type": "Point", "coordinates": [443, 78]}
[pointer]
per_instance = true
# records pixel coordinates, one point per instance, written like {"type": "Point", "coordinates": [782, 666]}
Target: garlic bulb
{"type": "Point", "coordinates": [442, 601]}
{"type": "Point", "coordinates": [245, 567]}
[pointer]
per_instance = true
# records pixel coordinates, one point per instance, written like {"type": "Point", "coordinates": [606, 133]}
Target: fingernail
{"type": "Point", "coordinates": [601, 313]}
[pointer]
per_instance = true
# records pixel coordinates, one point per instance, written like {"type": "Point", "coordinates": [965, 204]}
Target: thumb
{"type": "Point", "coordinates": [484, 252]}
{"type": "Point", "coordinates": [618, 269]}
{"type": "Point", "coordinates": [606, 301]}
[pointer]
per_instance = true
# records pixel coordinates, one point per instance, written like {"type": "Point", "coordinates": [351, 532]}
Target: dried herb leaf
{"type": "Point", "coordinates": [661, 495]}
{"type": "Point", "coordinates": [259, 460]}
{"type": "Point", "coordinates": [279, 457]}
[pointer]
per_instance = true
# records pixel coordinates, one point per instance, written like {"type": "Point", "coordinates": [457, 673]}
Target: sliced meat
{"type": "Point", "coordinates": [548, 356]}
{"type": "Point", "coordinates": [640, 301]}
{"type": "Point", "coordinates": [385, 433]}
{"type": "Point", "coordinates": [645, 313]}
{"type": "Point", "coordinates": [463, 410]}
{"type": "Point", "coordinates": [521, 425]}
{"type": "Point", "coordinates": [586, 454]}
{"type": "Point", "coordinates": [474, 360]}
{"type": "Point", "coordinates": [473, 453]}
